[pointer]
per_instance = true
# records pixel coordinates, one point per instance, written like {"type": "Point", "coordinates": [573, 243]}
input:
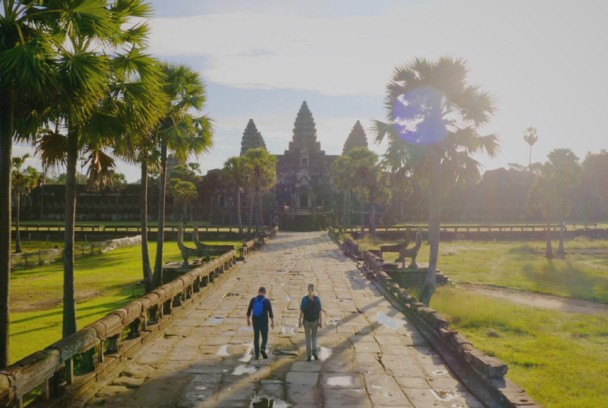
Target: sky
{"type": "Point", "coordinates": [545, 63]}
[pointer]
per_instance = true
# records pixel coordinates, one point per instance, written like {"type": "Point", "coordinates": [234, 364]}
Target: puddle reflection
{"type": "Point", "coordinates": [223, 351]}
{"type": "Point", "coordinates": [244, 369]}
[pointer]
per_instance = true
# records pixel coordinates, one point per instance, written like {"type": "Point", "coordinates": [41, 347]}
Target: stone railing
{"type": "Point", "coordinates": [31, 259]}
{"type": "Point", "coordinates": [77, 360]}
{"type": "Point", "coordinates": [482, 374]}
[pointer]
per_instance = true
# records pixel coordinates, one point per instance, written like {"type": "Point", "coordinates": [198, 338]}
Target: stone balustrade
{"type": "Point", "coordinates": [485, 374]}
{"type": "Point", "coordinates": [75, 361]}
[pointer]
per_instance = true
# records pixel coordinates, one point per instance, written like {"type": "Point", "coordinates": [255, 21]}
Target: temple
{"type": "Point", "coordinates": [303, 171]}
{"type": "Point", "coordinates": [303, 197]}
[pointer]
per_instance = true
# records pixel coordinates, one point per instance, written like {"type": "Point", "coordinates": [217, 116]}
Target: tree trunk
{"type": "Point", "coordinates": [260, 210]}
{"type": "Point", "coordinates": [372, 216]}
{"type": "Point", "coordinates": [6, 143]}
{"type": "Point", "coordinates": [561, 251]}
{"type": "Point", "coordinates": [344, 208]}
{"type": "Point", "coordinates": [160, 240]}
{"type": "Point", "coordinates": [69, 286]}
{"type": "Point", "coordinates": [145, 251]}
{"type": "Point", "coordinates": [17, 223]}
{"type": "Point", "coordinates": [239, 218]}
{"type": "Point", "coordinates": [362, 220]}
{"type": "Point", "coordinates": [434, 229]}
{"type": "Point", "coordinates": [549, 247]}
{"type": "Point", "coordinates": [251, 204]}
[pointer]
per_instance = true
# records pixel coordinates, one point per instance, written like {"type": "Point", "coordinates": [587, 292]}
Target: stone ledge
{"type": "Point", "coordinates": [485, 373]}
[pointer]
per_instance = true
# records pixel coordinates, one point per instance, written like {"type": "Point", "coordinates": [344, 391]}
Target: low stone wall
{"type": "Point", "coordinates": [31, 259]}
{"type": "Point", "coordinates": [76, 361]}
{"type": "Point", "coordinates": [523, 232]}
{"type": "Point", "coordinates": [482, 374]}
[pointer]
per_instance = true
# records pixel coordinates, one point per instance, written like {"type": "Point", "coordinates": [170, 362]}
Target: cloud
{"type": "Point", "coordinates": [545, 61]}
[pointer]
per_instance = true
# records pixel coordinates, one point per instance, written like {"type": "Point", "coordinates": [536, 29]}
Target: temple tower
{"type": "Point", "coordinates": [356, 138]}
{"type": "Point", "coordinates": [303, 169]}
{"type": "Point", "coordinates": [252, 138]}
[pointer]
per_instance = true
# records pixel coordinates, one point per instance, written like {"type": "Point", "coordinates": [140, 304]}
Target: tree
{"type": "Point", "coordinates": [182, 187]}
{"type": "Point", "coordinates": [180, 132]}
{"type": "Point", "coordinates": [433, 120]}
{"type": "Point", "coordinates": [32, 49]}
{"type": "Point", "coordinates": [93, 81]}
{"type": "Point", "coordinates": [342, 178]}
{"type": "Point", "coordinates": [23, 181]}
{"type": "Point", "coordinates": [359, 171]}
{"type": "Point", "coordinates": [531, 137]}
{"type": "Point", "coordinates": [262, 176]}
{"type": "Point", "coordinates": [139, 84]}
{"type": "Point", "coordinates": [554, 192]}
{"type": "Point", "coordinates": [235, 174]}
{"type": "Point", "coordinates": [594, 187]}
{"type": "Point", "coordinates": [183, 192]}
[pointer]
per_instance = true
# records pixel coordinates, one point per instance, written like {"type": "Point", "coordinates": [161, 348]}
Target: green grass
{"type": "Point", "coordinates": [103, 283]}
{"type": "Point", "coordinates": [560, 359]}
{"type": "Point", "coordinates": [583, 274]}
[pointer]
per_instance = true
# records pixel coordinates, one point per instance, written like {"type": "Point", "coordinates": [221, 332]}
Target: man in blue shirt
{"type": "Point", "coordinates": [310, 317]}
{"type": "Point", "coordinates": [260, 310]}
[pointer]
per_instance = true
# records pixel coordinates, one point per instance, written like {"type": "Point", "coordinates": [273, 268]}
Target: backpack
{"type": "Point", "coordinates": [311, 309]}
{"type": "Point", "coordinates": [258, 307]}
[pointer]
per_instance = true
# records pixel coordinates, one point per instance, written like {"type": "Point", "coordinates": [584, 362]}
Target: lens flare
{"type": "Point", "coordinates": [419, 116]}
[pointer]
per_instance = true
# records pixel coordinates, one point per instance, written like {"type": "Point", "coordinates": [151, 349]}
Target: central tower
{"type": "Point", "coordinates": [302, 170]}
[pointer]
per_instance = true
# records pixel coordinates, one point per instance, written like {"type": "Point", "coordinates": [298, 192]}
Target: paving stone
{"type": "Point", "coordinates": [346, 398]}
{"type": "Point", "coordinates": [193, 363]}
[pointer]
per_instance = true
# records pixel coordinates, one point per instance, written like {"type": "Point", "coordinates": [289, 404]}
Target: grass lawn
{"type": "Point", "coordinates": [103, 283]}
{"type": "Point", "coordinates": [583, 274]}
{"type": "Point", "coordinates": [560, 359]}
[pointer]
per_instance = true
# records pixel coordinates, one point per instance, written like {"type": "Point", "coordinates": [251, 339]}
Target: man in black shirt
{"type": "Point", "coordinates": [260, 310]}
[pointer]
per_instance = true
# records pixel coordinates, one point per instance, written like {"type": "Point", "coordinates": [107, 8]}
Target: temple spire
{"type": "Point", "coordinates": [357, 138]}
{"type": "Point", "coordinates": [252, 138]}
{"type": "Point", "coordinates": [304, 131]}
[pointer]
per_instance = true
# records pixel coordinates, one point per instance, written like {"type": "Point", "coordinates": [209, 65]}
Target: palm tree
{"type": "Point", "coordinates": [181, 133]}
{"type": "Point", "coordinates": [342, 178]}
{"type": "Point", "coordinates": [433, 120]}
{"type": "Point", "coordinates": [235, 174]}
{"type": "Point", "coordinates": [141, 103]}
{"type": "Point", "coordinates": [23, 181]}
{"type": "Point", "coordinates": [554, 192]}
{"type": "Point", "coordinates": [87, 76]}
{"type": "Point", "coordinates": [32, 38]}
{"type": "Point", "coordinates": [364, 171]}
{"type": "Point", "coordinates": [531, 137]}
{"type": "Point", "coordinates": [261, 167]}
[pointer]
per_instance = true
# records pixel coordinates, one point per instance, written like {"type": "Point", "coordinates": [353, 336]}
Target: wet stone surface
{"type": "Point", "coordinates": [370, 354]}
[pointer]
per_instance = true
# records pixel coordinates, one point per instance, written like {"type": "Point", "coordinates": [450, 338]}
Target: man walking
{"type": "Point", "coordinates": [260, 309]}
{"type": "Point", "coordinates": [310, 317]}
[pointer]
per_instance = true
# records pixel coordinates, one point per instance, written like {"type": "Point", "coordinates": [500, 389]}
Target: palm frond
{"type": "Point", "coordinates": [52, 148]}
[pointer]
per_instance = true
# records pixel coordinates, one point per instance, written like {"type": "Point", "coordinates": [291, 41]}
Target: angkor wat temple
{"type": "Point", "coordinates": [304, 187]}
{"type": "Point", "coordinates": [304, 197]}
{"type": "Point", "coordinates": [304, 194]}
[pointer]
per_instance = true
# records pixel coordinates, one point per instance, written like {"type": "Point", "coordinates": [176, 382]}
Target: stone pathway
{"type": "Point", "coordinates": [371, 356]}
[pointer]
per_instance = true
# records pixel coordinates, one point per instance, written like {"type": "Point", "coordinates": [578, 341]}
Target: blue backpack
{"type": "Point", "coordinates": [258, 307]}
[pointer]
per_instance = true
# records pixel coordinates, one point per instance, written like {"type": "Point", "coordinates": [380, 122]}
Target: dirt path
{"type": "Point", "coordinates": [538, 300]}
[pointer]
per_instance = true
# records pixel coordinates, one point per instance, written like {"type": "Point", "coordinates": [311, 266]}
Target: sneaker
{"type": "Point", "coordinates": [264, 355]}
{"type": "Point", "coordinates": [257, 357]}
{"type": "Point", "coordinates": [308, 358]}
{"type": "Point", "coordinates": [315, 356]}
